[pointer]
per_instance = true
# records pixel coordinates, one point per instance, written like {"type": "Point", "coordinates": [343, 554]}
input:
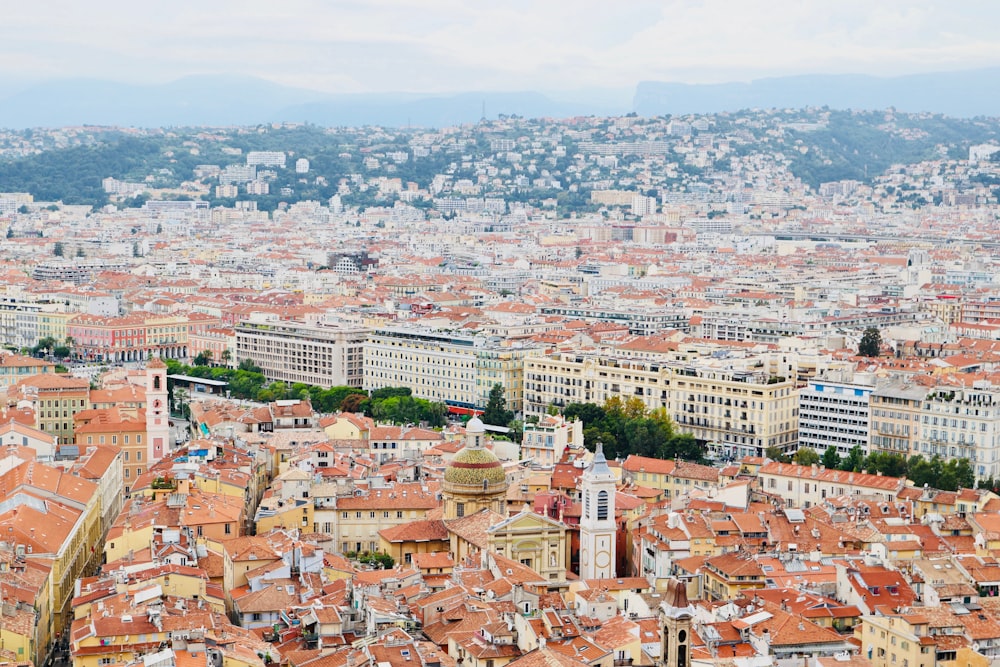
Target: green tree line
{"type": "Point", "coordinates": [393, 405]}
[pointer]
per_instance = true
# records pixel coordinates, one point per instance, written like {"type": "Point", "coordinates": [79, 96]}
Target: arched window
{"type": "Point", "coordinates": [156, 382]}
{"type": "Point", "coordinates": [602, 505]}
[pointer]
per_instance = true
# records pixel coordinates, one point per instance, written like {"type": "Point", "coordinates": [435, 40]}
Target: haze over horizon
{"type": "Point", "coordinates": [444, 46]}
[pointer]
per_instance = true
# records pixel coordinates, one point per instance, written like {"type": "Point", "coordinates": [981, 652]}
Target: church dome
{"type": "Point", "coordinates": [474, 466]}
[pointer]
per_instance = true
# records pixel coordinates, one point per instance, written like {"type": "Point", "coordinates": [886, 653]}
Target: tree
{"type": "Point", "coordinates": [58, 250]}
{"type": "Point", "coordinates": [354, 403]}
{"type": "Point", "coordinates": [249, 365]}
{"type": "Point", "coordinates": [854, 460]}
{"type": "Point", "coordinates": [203, 358]}
{"type": "Point", "coordinates": [496, 412]}
{"type": "Point", "coordinates": [389, 392]}
{"type": "Point", "coordinates": [775, 454]}
{"type": "Point", "coordinates": [80, 252]}
{"type": "Point", "coordinates": [181, 406]}
{"type": "Point", "coordinates": [831, 459]}
{"type": "Point", "coordinates": [23, 209]}
{"type": "Point", "coordinates": [806, 456]}
{"type": "Point", "coordinates": [871, 343]}
{"type": "Point", "coordinates": [225, 357]}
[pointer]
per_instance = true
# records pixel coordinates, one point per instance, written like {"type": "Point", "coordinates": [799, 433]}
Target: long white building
{"type": "Point", "coordinates": [317, 354]}
{"type": "Point", "coordinates": [456, 369]}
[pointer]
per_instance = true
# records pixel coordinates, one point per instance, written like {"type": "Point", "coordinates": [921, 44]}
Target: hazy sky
{"type": "Point", "coordinates": [449, 45]}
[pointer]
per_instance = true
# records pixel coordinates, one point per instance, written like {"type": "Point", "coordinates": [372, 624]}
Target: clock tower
{"type": "Point", "coordinates": [157, 413]}
{"type": "Point", "coordinates": [597, 524]}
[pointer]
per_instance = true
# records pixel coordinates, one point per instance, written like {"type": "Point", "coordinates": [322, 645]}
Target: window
{"type": "Point", "coordinates": [602, 505]}
{"type": "Point", "coordinates": [229, 529]}
{"type": "Point", "coordinates": [460, 509]}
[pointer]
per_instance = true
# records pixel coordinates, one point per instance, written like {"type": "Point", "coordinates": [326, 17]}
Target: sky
{"type": "Point", "coordinates": [429, 46]}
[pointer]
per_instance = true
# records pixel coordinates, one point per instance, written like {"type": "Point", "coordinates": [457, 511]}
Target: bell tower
{"type": "Point", "coordinates": [597, 524]}
{"type": "Point", "coordinates": [675, 617]}
{"type": "Point", "coordinates": [157, 414]}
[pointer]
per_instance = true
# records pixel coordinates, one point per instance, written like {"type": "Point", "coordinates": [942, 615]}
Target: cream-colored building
{"type": "Point", "coordinates": [807, 486]}
{"type": "Point", "coordinates": [167, 336]}
{"type": "Point", "coordinates": [894, 424]}
{"type": "Point", "coordinates": [355, 521]}
{"type": "Point", "coordinates": [533, 540]}
{"type": "Point", "coordinates": [897, 641]}
{"type": "Point", "coordinates": [742, 407]}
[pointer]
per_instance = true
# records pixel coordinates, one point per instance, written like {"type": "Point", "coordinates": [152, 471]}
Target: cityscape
{"type": "Point", "coordinates": [504, 370]}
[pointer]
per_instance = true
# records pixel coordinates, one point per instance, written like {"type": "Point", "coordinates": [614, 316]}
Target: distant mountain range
{"type": "Point", "coordinates": [226, 100]}
{"type": "Point", "coordinates": [205, 100]}
{"type": "Point", "coordinates": [963, 94]}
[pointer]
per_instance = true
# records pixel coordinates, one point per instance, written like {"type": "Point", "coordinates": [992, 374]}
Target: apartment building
{"type": "Point", "coordinates": [639, 322]}
{"type": "Point", "coordinates": [19, 322]}
{"type": "Point", "coordinates": [959, 422]}
{"type": "Point", "coordinates": [325, 355]}
{"type": "Point", "coordinates": [355, 521]}
{"type": "Point", "coordinates": [56, 399]}
{"type": "Point", "coordinates": [895, 417]}
{"type": "Point", "coordinates": [14, 367]}
{"type": "Point", "coordinates": [735, 409]}
{"type": "Point", "coordinates": [806, 486]}
{"type": "Point", "coordinates": [545, 442]}
{"type": "Point", "coordinates": [835, 413]}
{"type": "Point", "coordinates": [897, 640]}
{"type": "Point", "coordinates": [456, 369]}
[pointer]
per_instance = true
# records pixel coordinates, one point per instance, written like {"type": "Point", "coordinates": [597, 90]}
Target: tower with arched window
{"type": "Point", "coordinates": [157, 414]}
{"type": "Point", "coordinates": [675, 616]}
{"type": "Point", "coordinates": [597, 524]}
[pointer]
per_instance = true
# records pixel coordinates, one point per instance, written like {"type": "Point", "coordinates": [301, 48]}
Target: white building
{"type": "Point", "coordinates": [544, 443]}
{"type": "Point", "coordinates": [957, 422]}
{"type": "Point", "coordinates": [835, 414]}
{"type": "Point", "coordinates": [266, 159]}
{"type": "Point", "coordinates": [317, 354]}
{"type": "Point", "coordinates": [453, 368]}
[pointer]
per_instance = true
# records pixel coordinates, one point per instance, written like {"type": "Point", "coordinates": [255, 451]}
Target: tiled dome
{"type": "Point", "coordinates": [473, 466]}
